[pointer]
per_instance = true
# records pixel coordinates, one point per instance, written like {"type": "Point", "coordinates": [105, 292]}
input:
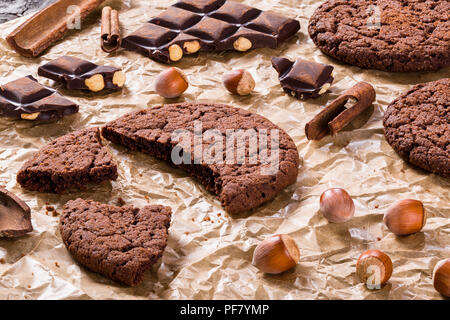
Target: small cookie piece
{"type": "Point", "coordinates": [303, 79]}
{"type": "Point", "coordinates": [120, 243]}
{"type": "Point", "coordinates": [417, 126]}
{"type": "Point", "coordinates": [218, 155]}
{"type": "Point", "coordinates": [69, 161]}
{"type": "Point", "coordinates": [26, 99]}
{"type": "Point", "coordinates": [76, 73]}
{"type": "Point", "coordinates": [389, 35]}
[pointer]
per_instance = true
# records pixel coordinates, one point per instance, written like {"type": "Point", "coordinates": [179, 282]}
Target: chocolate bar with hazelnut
{"type": "Point", "coordinates": [303, 79]}
{"type": "Point", "coordinates": [190, 26]}
{"type": "Point", "coordinates": [76, 73]}
{"type": "Point", "coordinates": [25, 98]}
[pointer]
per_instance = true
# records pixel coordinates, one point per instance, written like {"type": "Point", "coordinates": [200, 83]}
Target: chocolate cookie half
{"type": "Point", "coordinates": [390, 35]}
{"type": "Point", "coordinates": [417, 126]}
{"type": "Point", "coordinates": [120, 243]}
{"type": "Point", "coordinates": [242, 157]}
{"type": "Point", "coordinates": [69, 161]}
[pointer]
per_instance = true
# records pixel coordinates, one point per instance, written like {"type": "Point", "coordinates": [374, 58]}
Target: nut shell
{"type": "Point", "coordinates": [171, 83]}
{"type": "Point", "coordinates": [405, 217]}
{"type": "Point", "coordinates": [441, 277]}
{"type": "Point", "coordinates": [276, 254]}
{"type": "Point", "coordinates": [374, 268]}
{"type": "Point", "coordinates": [336, 205]}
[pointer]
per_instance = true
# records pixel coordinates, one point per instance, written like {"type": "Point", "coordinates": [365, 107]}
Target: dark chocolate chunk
{"type": "Point", "coordinates": [303, 79]}
{"type": "Point", "coordinates": [75, 73]}
{"type": "Point", "coordinates": [15, 216]}
{"type": "Point", "coordinates": [25, 98]}
{"type": "Point", "coordinates": [190, 26]}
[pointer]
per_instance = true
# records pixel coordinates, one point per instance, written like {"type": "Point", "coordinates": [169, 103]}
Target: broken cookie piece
{"type": "Point", "coordinates": [76, 73]}
{"type": "Point", "coordinates": [120, 243]}
{"type": "Point", "coordinates": [69, 161]}
{"type": "Point", "coordinates": [15, 216]}
{"type": "Point", "coordinates": [25, 98]}
{"type": "Point", "coordinates": [303, 79]}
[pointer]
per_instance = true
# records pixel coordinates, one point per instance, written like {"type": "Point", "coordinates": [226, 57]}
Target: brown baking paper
{"type": "Point", "coordinates": [209, 252]}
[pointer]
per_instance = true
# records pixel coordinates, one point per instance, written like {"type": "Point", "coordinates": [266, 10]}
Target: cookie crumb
{"type": "Point", "coordinates": [2, 260]}
{"type": "Point", "coordinates": [376, 206]}
{"type": "Point", "coordinates": [120, 201]}
{"type": "Point", "coordinates": [57, 264]}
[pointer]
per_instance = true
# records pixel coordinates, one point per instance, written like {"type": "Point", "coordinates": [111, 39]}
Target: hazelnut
{"type": "Point", "coordinates": [276, 254]}
{"type": "Point", "coordinates": [239, 82]}
{"type": "Point", "coordinates": [405, 217]}
{"type": "Point", "coordinates": [119, 79]}
{"type": "Point", "coordinates": [175, 52]}
{"type": "Point", "coordinates": [171, 83]}
{"type": "Point", "coordinates": [336, 205]}
{"type": "Point", "coordinates": [191, 46]}
{"type": "Point", "coordinates": [95, 83]}
{"type": "Point", "coordinates": [441, 277]}
{"type": "Point", "coordinates": [30, 116]}
{"type": "Point", "coordinates": [374, 268]}
{"type": "Point", "coordinates": [242, 44]}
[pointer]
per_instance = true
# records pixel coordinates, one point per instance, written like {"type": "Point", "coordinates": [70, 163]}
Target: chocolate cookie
{"type": "Point", "coordinates": [235, 168]}
{"type": "Point", "coordinates": [69, 161]}
{"type": "Point", "coordinates": [417, 126]}
{"type": "Point", "coordinates": [390, 35]}
{"type": "Point", "coordinates": [120, 243]}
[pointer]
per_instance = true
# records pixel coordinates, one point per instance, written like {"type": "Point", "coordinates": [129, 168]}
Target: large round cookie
{"type": "Point", "coordinates": [417, 126]}
{"type": "Point", "coordinates": [409, 35]}
{"type": "Point", "coordinates": [240, 185]}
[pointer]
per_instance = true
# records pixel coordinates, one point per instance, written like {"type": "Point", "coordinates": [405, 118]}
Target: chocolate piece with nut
{"type": "Point", "coordinates": [25, 98]}
{"type": "Point", "coordinates": [303, 79]}
{"type": "Point", "coordinates": [337, 115]}
{"type": "Point", "coordinates": [76, 73]}
{"type": "Point", "coordinates": [15, 216]}
{"type": "Point", "coordinates": [190, 26]}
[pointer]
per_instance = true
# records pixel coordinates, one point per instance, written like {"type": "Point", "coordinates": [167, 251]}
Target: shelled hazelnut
{"type": "Point", "coordinates": [336, 205]}
{"type": "Point", "coordinates": [276, 254]}
{"type": "Point", "coordinates": [239, 82]}
{"type": "Point", "coordinates": [374, 268]}
{"type": "Point", "coordinates": [171, 83]}
{"type": "Point", "coordinates": [405, 217]}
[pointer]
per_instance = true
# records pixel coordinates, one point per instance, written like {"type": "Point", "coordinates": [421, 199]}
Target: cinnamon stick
{"type": "Point", "coordinates": [110, 28]}
{"type": "Point", "coordinates": [49, 25]}
{"type": "Point", "coordinates": [336, 116]}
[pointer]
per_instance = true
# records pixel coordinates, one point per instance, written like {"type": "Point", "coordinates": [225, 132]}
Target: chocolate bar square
{"type": "Point", "coordinates": [25, 98]}
{"type": "Point", "coordinates": [76, 73]}
{"type": "Point", "coordinates": [303, 79]}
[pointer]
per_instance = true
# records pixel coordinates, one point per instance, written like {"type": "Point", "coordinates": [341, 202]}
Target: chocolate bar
{"type": "Point", "coordinates": [303, 79]}
{"type": "Point", "coordinates": [190, 26]}
{"type": "Point", "coordinates": [15, 215]}
{"type": "Point", "coordinates": [75, 73]}
{"type": "Point", "coordinates": [25, 98]}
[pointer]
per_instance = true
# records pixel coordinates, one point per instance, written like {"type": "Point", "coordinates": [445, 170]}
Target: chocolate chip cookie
{"type": "Point", "coordinates": [120, 243]}
{"type": "Point", "coordinates": [242, 157]}
{"type": "Point", "coordinates": [417, 126]}
{"type": "Point", "coordinates": [69, 161]}
{"type": "Point", "coordinates": [390, 35]}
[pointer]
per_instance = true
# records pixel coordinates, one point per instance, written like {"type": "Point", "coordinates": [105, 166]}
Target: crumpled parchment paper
{"type": "Point", "coordinates": [209, 252]}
